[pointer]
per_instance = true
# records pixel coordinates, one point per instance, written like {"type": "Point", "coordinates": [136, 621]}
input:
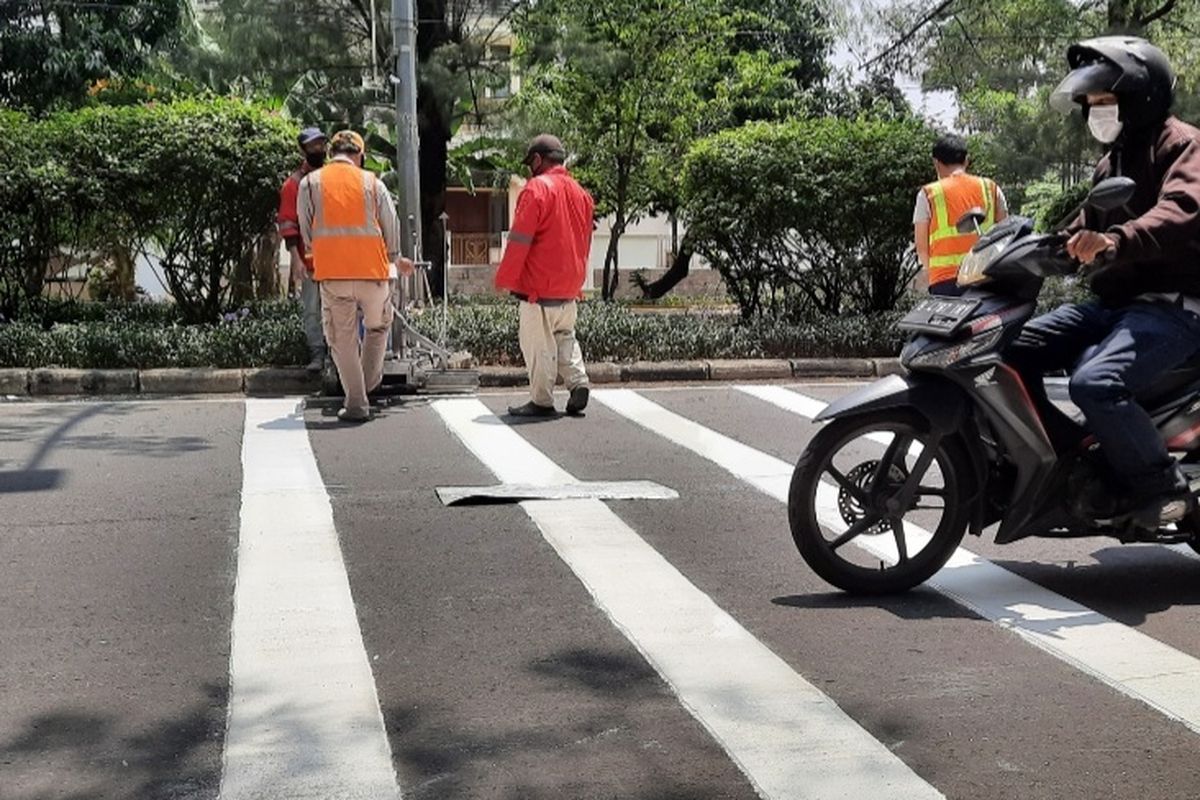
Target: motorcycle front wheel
{"type": "Point", "coordinates": [877, 503]}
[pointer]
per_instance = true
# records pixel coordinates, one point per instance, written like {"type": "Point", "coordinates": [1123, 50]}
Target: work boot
{"type": "Point", "coordinates": [531, 409]}
{"type": "Point", "coordinates": [317, 364]}
{"type": "Point", "coordinates": [578, 401]}
{"type": "Point", "coordinates": [353, 415]}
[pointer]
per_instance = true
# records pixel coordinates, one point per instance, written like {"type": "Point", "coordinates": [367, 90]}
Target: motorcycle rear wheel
{"type": "Point", "coordinates": [877, 505]}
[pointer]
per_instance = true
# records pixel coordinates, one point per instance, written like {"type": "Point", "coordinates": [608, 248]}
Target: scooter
{"type": "Point", "coordinates": [964, 444]}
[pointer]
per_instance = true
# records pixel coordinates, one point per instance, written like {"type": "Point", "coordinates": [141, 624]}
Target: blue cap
{"type": "Point", "coordinates": [311, 135]}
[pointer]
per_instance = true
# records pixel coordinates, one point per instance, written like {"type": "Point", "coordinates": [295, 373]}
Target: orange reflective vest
{"type": "Point", "coordinates": [949, 199]}
{"type": "Point", "coordinates": [347, 240]}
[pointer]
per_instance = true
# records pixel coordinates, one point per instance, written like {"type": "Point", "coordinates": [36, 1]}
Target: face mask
{"type": "Point", "coordinates": [315, 159]}
{"type": "Point", "coordinates": [1104, 123]}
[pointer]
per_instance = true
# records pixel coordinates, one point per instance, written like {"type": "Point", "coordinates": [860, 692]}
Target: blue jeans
{"type": "Point", "coordinates": [1112, 354]}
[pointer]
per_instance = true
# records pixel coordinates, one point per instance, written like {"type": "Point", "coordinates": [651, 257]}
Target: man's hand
{"type": "Point", "coordinates": [405, 266]}
{"type": "Point", "coordinates": [1087, 246]}
{"type": "Point", "coordinates": [298, 269]}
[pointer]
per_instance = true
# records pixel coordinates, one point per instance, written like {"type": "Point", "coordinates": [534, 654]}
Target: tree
{"type": "Point", "coordinates": [330, 62]}
{"type": "Point", "coordinates": [1001, 59]}
{"type": "Point", "coordinates": [51, 53]}
{"type": "Point", "coordinates": [637, 81]}
{"type": "Point", "coordinates": [812, 215]}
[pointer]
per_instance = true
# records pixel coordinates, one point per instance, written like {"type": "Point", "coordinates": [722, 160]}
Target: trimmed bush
{"type": "Point", "coordinates": [815, 212]}
{"type": "Point", "coordinates": [195, 183]}
{"type": "Point", "coordinates": [108, 345]}
{"type": "Point", "coordinates": [149, 335]}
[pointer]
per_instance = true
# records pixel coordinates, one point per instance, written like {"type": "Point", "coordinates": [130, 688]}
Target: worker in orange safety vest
{"type": "Point", "coordinates": [940, 205]}
{"type": "Point", "coordinates": [349, 223]}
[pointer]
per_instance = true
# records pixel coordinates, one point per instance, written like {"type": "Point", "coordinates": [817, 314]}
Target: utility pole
{"type": "Point", "coordinates": [404, 40]}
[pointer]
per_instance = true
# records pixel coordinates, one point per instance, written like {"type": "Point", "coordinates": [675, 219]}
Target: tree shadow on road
{"type": "Point", "coordinates": [31, 476]}
{"type": "Point", "coordinates": [72, 754]}
{"type": "Point", "coordinates": [561, 756]}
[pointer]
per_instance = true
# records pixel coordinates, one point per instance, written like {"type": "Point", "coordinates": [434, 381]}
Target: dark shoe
{"type": "Point", "coordinates": [317, 364]}
{"type": "Point", "coordinates": [353, 415]}
{"type": "Point", "coordinates": [1161, 511]}
{"type": "Point", "coordinates": [578, 401]}
{"type": "Point", "coordinates": [531, 409]}
{"type": "Point", "coordinates": [1169, 505]}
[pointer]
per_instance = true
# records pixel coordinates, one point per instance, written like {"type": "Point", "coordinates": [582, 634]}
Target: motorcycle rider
{"type": "Point", "coordinates": [1143, 265]}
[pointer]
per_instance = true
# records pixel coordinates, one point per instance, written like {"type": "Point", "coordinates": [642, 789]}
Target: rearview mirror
{"type": "Point", "coordinates": [1111, 193]}
{"type": "Point", "coordinates": [971, 221]}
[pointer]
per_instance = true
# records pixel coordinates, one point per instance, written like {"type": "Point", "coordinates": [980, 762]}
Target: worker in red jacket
{"type": "Point", "coordinates": [544, 266]}
{"type": "Point", "coordinates": [312, 146]}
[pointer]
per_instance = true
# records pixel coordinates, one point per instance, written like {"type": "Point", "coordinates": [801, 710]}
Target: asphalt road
{"type": "Point", "coordinates": [381, 644]}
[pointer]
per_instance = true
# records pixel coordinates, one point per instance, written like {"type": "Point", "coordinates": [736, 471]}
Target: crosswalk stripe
{"type": "Point", "coordinates": [788, 738]}
{"type": "Point", "coordinates": [1130, 662]}
{"type": "Point", "coordinates": [304, 718]}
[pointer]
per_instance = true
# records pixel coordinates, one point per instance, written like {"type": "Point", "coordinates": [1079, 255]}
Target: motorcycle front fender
{"type": "Point", "coordinates": [939, 400]}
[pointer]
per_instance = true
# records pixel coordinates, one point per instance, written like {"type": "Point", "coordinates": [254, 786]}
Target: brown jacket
{"type": "Point", "coordinates": [1158, 233]}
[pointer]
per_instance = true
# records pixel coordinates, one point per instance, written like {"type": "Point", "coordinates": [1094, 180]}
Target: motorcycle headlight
{"type": "Point", "coordinates": [971, 270]}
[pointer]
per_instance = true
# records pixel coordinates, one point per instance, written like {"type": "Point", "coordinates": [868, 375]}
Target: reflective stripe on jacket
{"type": "Point", "coordinates": [349, 223]}
{"type": "Point", "coordinates": [949, 199]}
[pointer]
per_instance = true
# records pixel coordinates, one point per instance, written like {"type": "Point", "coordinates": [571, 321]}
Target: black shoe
{"type": "Point", "coordinates": [316, 365]}
{"type": "Point", "coordinates": [355, 416]}
{"type": "Point", "coordinates": [531, 409]}
{"type": "Point", "coordinates": [578, 401]}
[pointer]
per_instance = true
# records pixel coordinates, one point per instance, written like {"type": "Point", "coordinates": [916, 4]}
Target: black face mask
{"type": "Point", "coordinates": [315, 160]}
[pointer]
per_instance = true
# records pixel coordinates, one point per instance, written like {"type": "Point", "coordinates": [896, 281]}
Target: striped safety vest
{"type": "Point", "coordinates": [347, 241]}
{"type": "Point", "coordinates": [949, 199]}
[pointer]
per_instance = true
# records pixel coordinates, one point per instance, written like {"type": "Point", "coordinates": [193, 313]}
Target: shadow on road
{"type": "Point", "coordinates": [71, 754]}
{"type": "Point", "coordinates": [916, 604]}
{"type": "Point", "coordinates": [33, 477]}
{"type": "Point", "coordinates": [1127, 583]}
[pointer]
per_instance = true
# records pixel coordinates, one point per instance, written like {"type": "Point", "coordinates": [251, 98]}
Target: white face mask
{"type": "Point", "coordinates": [1104, 123]}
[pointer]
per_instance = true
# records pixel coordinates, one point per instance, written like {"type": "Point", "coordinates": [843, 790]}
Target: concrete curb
{"type": "Point", "coordinates": [192, 381]}
{"type": "Point", "coordinates": [277, 381]}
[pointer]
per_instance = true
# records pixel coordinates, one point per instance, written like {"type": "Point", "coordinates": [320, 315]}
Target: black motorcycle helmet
{"type": "Point", "coordinates": [1137, 72]}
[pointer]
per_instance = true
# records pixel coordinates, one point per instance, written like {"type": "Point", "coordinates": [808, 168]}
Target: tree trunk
{"type": "Point", "coordinates": [608, 280]}
{"type": "Point", "coordinates": [679, 269]}
{"type": "Point", "coordinates": [266, 267]}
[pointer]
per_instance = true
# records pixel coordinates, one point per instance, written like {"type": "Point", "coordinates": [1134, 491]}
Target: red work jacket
{"type": "Point", "coordinates": [287, 220]}
{"type": "Point", "coordinates": [550, 240]}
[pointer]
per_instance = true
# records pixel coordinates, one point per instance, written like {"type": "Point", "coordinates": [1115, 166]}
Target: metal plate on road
{"type": "Point", "coordinates": [590, 490]}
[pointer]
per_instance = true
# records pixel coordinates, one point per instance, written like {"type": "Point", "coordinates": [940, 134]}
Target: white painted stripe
{"type": "Point", "coordinates": [789, 739]}
{"type": "Point", "coordinates": [808, 407]}
{"type": "Point", "coordinates": [1130, 662]}
{"type": "Point", "coordinates": [304, 719]}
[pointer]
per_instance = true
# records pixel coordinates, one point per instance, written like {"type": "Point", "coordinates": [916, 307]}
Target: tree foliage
{"type": "Point", "coordinates": [52, 53]}
{"type": "Point", "coordinates": [194, 184]}
{"type": "Point", "coordinates": [812, 215]}
{"type": "Point", "coordinates": [1001, 59]}
{"type": "Point", "coordinates": [631, 84]}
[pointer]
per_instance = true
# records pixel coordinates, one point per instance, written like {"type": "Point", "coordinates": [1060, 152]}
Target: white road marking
{"type": "Point", "coordinates": [304, 718]}
{"type": "Point", "coordinates": [789, 739]}
{"type": "Point", "coordinates": [1129, 661]}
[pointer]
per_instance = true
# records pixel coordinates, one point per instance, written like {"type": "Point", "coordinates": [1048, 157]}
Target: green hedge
{"type": "Point", "coordinates": [195, 183]}
{"type": "Point", "coordinates": [149, 335]}
{"type": "Point", "coordinates": [810, 214]}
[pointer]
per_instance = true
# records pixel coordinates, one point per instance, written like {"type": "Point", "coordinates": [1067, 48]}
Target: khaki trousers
{"type": "Point", "coordinates": [359, 367]}
{"type": "Point", "coordinates": [547, 335]}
